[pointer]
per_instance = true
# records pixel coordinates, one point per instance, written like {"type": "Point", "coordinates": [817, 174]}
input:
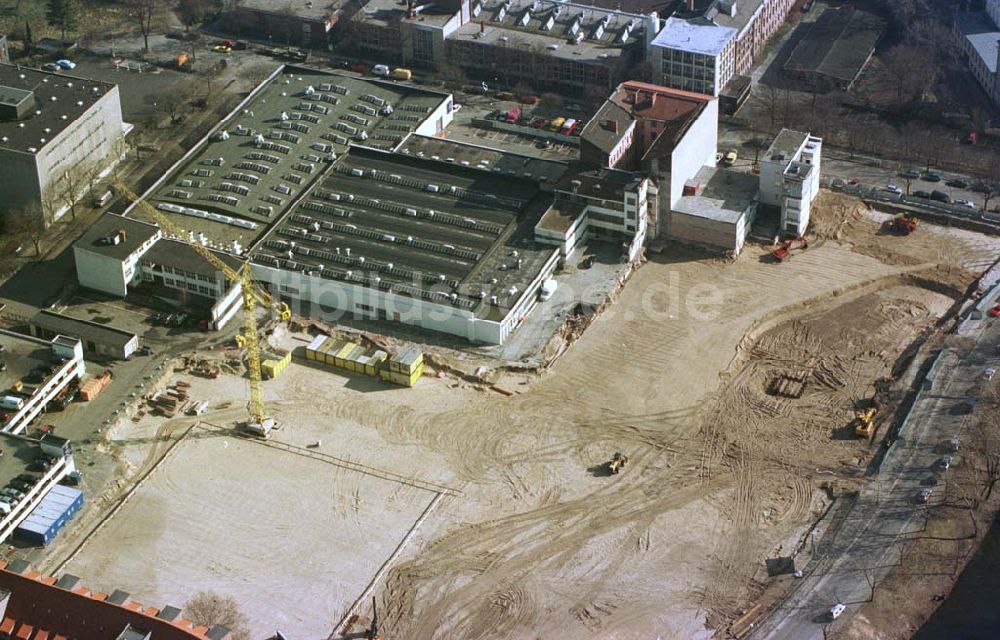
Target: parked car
{"type": "Point", "coordinates": [945, 463]}
{"type": "Point", "coordinates": [995, 311]}
{"type": "Point", "coordinates": [221, 48]}
{"type": "Point", "coordinates": [51, 66]}
{"type": "Point", "coordinates": [932, 176]}
{"type": "Point", "coordinates": [989, 373]}
{"type": "Point", "coordinates": [66, 64]}
{"type": "Point", "coordinates": [940, 196]}
{"type": "Point", "coordinates": [912, 174]}
{"type": "Point", "coordinates": [146, 350]}
{"type": "Point", "coordinates": [921, 194]}
{"type": "Point", "coordinates": [891, 188]}
{"type": "Point", "coordinates": [587, 263]}
{"type": "Point", "coordinates": [240, 45]}
{"type": "Point", "coordinates": [965, 203]}
{"type": "Point", "coordinates": [836, 610]}
{"type": "Point", "coordinates": [957, 183]}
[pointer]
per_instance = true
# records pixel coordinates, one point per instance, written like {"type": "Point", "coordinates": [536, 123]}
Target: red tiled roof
{"type": "Point", "coordinates": [42, 635]}
{"type": "Point", "coordinates": [72, 614]}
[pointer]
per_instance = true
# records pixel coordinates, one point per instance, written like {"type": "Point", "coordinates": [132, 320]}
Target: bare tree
{"type": "Point", "coordinates": [146, 13]}
{"type": "Point", "coordinates": [451, 76]}
{"type": "Point", "coordinates": [908, 69]}
{"type": "Point", "coordinates": [990, 189]}
{"type": "Point", "coordinates": [25, 223]}
{"type": "Point", "coordinates": [549, 103]}
{"type": "Point", "coordinates": [209, 609]}
{"type": "Point", "coordinates": [70, 184]}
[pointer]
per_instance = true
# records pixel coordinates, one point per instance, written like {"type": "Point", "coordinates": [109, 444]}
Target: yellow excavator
{"type": "Point", "coordinates": [258, 421]}
{"type": "Point", "coordinates": [864, 422]}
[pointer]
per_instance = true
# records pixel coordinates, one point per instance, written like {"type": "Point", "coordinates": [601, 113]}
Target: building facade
{"type": "Point", "coordinates": [978, 37]}
{"type": "Point", "coordinates": [58, 134]}
{"type": "Point", "coordinates": [789, 178]}
{"type": "Point", "coordinates": [68, 353]}
{"type": "Point", "coordinates": [703, 50]}
{"type": "Point", "coordinates": [4, 51]}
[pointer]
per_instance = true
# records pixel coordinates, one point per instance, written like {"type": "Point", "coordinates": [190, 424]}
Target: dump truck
{"type": "Point", "coordinates": [864, 422]}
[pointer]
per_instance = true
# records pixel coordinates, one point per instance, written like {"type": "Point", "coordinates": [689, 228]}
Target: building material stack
{"type": "Point", "coordinates": [405, 367]}
{"type": "Point", "coordinates": [94, 386]}
{"type": "Point", "coordinates": [273, 364]}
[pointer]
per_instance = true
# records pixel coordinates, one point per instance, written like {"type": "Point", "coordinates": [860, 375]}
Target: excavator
{"type": "Point", "coordinates": [258, 422]}
{"type": "Point", "coordinates": [864, 422]}
{"type": "Point", "coordinates": [617, 463]}
{"type": "Point", "coordinates": [784, 250]}
{"type": "Point", "coordinates": [903, 224]}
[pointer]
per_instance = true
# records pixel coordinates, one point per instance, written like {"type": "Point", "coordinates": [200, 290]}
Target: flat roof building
{"type": "Point", "coordinates": [35, 372]}
{"type": "Point", "coordinates": [56, 131]}
{"type": "Point", "coordinates": [287, 22]}
{"type": "Point", "coordinates": [978, 37]}
{"type": "Point", "coordinates": [99, 340]}
{"type": "Point", "coordinates": [716, 209]}
{"type": "Point", "coordinates": [708, 43]}
{"type": "Point", "coordinates": [789, 178]}
{"type": "Point", "coordinates": [836, 47]}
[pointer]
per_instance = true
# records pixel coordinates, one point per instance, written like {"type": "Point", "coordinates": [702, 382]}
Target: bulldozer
{"type": "Point", "coordinates": [617, 463]}
{"type": "Point", "coordinates": [903, 224]}
{"type": "Point", "coordinates": [784, 250]}
{"type": "Point", "coordinates": [864, 422]}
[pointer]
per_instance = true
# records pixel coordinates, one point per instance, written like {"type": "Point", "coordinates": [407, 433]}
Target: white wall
{"type": "Point", "coordinates": [100, 272]}
{"type": "Point", "coordinates": [438, 120]}
{"type": "Point", "coordinates": [34, 405]}
{"type": "Point", "coordinates": [696, 149]}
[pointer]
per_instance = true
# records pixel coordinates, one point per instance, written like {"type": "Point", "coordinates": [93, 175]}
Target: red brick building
{"type": "Point", "coordinates": [38, 607]}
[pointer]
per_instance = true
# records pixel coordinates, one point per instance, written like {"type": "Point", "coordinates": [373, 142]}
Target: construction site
{"type": "Point", "coordinates": [484, 500]}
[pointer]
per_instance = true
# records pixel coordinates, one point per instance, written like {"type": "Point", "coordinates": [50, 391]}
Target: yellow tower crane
{"type": "Point", "coordinates": [252, 296]}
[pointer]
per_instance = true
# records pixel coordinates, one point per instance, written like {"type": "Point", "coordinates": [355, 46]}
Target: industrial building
{"type": "Point", "coordinates": [57, 133]}
{"type": "Point", "coordinates": [789, 178]}
{"type": "Point", "coordinates": [336, 190]}
{"type": "Point", "coordinates": [288, 22]}
{"type": "Point", "coordinates": [34, 606]}
{"type": "Point", "coordinates": [100, 341]}
{"type": "Point", "coordinates": [604, 204]}
{"type": "Point", "coordinates": [708, 43]}
{"type": "Point", "coordinates": [36, 372]}
{"type": "Point", "coordinates": [836, 48]}
{"type": "Point", "coordinates": [716, 210]}
{"type": "Point", "coordinates": [420, 241]}
{"type": "Point", "coordinates": [120, 254]}
{"type": "Point", "coordinates": [978, 35]}
{"type": "Point", "coordinates": [543, 43]}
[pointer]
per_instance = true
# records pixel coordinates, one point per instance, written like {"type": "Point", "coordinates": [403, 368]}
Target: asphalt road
{"type": "Point", "coordinates": [887, 515]}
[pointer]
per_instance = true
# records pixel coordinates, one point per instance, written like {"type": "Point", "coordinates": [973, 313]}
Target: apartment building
{"type": "Point", "coordinates": [978, 36]}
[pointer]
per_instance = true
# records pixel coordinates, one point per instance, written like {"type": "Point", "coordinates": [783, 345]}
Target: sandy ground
{"type": "Point", "coordinates": [534, 538]}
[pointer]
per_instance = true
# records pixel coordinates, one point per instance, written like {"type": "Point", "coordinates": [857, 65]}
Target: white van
{"type": "Point", "coordinates": [836, 610]}
{"type": "Point", "coordinates": [11, 402]}
{"type": "Point", "coordinates": [381, 70]}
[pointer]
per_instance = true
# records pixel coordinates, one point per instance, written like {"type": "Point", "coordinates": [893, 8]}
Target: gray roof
{"type": "Point", "coordinates": [501, 25]}
{"type": "Point", "coordinates": [600, 133]}
{"type": "Point", "coordinates": [697, 36]}
{"type": "Point", "coordinates": [726, 195]}
{"type": "Point", "coordinates": [496, 161]}
{"type": "Point", "coordinates": [108, 225]}
{"type": "Point", "coordinates": [181, 255]}
{"type": "Point", "coordinates": [133, 633]}
{"type": "Point", "coordinates": [320, 10]}
{"type": "Point", "coordinates": [785, 144]}
{"type": "Point", "coordinates": [119, 597]}
{"type": "Point", "coordinates": [982, 35]}
{"type": "Point", "coordinates": [839, 44]}
{"type": "Point", "coordinates": [67, 581]}
{"type": "Point", "coordinates": [169, 613]}
{"type": "Point", "coordinates": [56, 95]}
{"type": "Point", "coordinates": [218, 632]}
{"type": "Point", "coordinates": [83, 329]}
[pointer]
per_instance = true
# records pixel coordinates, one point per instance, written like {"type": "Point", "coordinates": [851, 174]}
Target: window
{"type": "Point", "coordinates": [192, 287]}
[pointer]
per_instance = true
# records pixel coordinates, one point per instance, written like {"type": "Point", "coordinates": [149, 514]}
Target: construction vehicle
{"type": "Point", "coordinates": [784, 250]}
{"type": "Point", "coordinates": [903, 224]}
{"type": "Point", "coordinates": [864, 422]}
{"type": "Point", "coordinates": [618, 461]}
{"type": "Point", "coordinates": [258, 422]}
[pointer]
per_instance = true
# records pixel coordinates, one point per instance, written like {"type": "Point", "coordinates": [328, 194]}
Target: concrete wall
{"type": "Point", "coordinates": [707, 232]}
{"type": "Point", "coordinates": [19, 181]}
{"type": "Point", "coordinates": [224, 310]}
{"type": "Point", "coordinates": [100, 272]}
{"type": "Point", "coordinates": [696, 149]}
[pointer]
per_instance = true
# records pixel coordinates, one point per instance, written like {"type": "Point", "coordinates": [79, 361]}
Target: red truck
{"type": "Point", "coordinates": [513, 114]}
